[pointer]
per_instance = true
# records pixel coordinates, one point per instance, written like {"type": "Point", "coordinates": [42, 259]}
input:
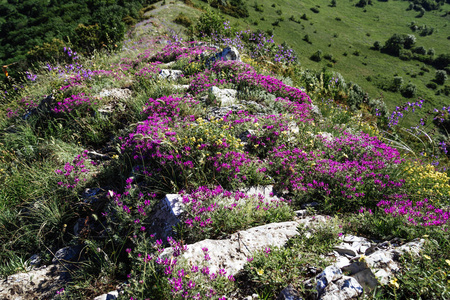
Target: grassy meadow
{"type": "Point", "coordinates": [346, 29]}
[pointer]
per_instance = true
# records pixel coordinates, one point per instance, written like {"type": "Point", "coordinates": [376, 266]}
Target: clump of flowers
{"type": "Point", "coordinates": [420, 213]}
{"type": "Point", "coordinates": [214, 213]}
{"type": "Point", "coordinates": [75, 171]}
{"type": "Point", "coordinates": [71, 103]}
{"type": "Point", "coordinates": [423, 180]}
{"type": "Point", "coordinates": [344, 172]}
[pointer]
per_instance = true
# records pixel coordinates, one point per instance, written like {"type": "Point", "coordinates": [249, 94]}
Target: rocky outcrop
{"type": "Point", "coordinates": [231, 254]}
{"type": "Point", "coordinates": [39, 283]}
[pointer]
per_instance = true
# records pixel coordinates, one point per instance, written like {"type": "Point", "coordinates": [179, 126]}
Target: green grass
{"type": "Point", "coordinates": [357, 30]}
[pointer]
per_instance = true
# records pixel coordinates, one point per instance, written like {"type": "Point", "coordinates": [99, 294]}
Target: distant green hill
{"type": "Point", "coordinates": [345, 35]}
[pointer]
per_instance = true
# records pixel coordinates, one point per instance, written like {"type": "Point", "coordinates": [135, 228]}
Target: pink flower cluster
{"type": "Point", "coordinates": [72, 102]}
{"type": "Point", "coordinates": [73, 171]}
{"type": "Point", "coordinates": [420, 213]}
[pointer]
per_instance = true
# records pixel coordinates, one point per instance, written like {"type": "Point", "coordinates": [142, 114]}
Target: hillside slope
{"type": "Point", "coordinates": [150, 169]}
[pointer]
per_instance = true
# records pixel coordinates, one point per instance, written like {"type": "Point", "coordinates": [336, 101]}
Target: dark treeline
{"type": "Point", "coordinates": [34, 30]}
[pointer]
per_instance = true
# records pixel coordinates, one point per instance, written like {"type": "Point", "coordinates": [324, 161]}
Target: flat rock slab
{"type": "Point", "coordinates": [231, 254]}
{"type": "Point", "coordinates": [39, 283]}
{"type": "Point", "coordinates": [116, 93]}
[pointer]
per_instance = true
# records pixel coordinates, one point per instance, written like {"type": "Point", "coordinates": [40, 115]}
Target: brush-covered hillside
{"type": "Point", "coordinates": [214, 165]}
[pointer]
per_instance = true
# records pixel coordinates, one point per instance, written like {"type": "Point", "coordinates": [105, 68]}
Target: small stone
{"type": "Point", "coordinates": [330, 274]}
{"type": "Point", "coordinates": [117, 94]}
{"type": "Point", "coordinates": [228, 53]}
{"type": "Point", "coordinates": [289, 293]}
{"type": "Point", "coordinates": [35, 261]}
{"type": "Point", "coordinates": [165, 216]}
{"type": "Point", "coordinates": [383, 276]}
{"type": "Point", "coordinates": [67, 254]}
{"type": "Point", "coordinates": [170, 74]}
{"type": "Point", "coordinates": [355, 267]}
{"type": "Point", "coordinates": [224, 96]}
{"type": "Point", "coordinates": [110, 296]}
{"type": "Point", "coordinates": [342, 289]}
{"type": "Point", "coordinates": [344, 249]}
{"type": "Point", "coordinates": [366, 279]}
{"type": "Point", "coordinates": [341, 262]}
{"type": "Point", "coordinates": [301, 213]}
{"type": "Point", "coordinates": [413, 247]}
{"type": "Point", "coordinates": [351, 238]}
{"type": "Point", "coordinates": [181, 87]}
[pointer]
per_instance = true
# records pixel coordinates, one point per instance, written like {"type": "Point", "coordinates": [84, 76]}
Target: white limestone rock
{"type": "Point", "coordinates": [170, 74]}
{"type": "Point", "coordinates": [109, 296]}
{"type": "Point", "coordinates": [343, 289]}
{"type": "Point", "coordinates": [116, 93]}
{"type": "Point", "coordinates": [231, 254]}
{"type": "Point", "coordinates": [226, 97]}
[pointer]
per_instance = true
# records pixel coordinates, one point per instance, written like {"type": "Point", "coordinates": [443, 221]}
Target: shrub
{"type": "Point", "coordinates": [431, 85]}
{"type": "Point", "coordinates": [376, 45]}
{"type": "Point", "coordinates": [315, 10]}
{"type": "Point", "coordinates": [405, 54]}
{"type": "Point", "coordinates": [410, 90]}
{"type": "Point", "coordinates": [409, 41]}
{"type": "Point", "coordinates": [257, 7]}
{"type": "Point", "coordinates": [442, 61]}
{"type": "Point", "coordinates": [209, 22]}
{"type": "Point", "coordinates": [421, 12]}
{"type": "Point", "coordinates": [317, 56]}
{"type": "Point", "coordinates": [397, 42]}
{"type": "Point", "coordinates": [328, 56]}
{"type": "Point", "coordinates": [425, 69]}
{"type": "Point", "coordinates": [356, 96]}
{"type": "Point", "coordinates": [420, 50]}
{"type": "Point", "coordinates": [307, 39]}
{"type": "Point", "coordinates": [397, 83]}
{"type": "Point", "coordinates": [183, 20]}
{"type": "Point", "coordinates": [363, 3]}
{"type": "Point", "coordinates": [440, 77]}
